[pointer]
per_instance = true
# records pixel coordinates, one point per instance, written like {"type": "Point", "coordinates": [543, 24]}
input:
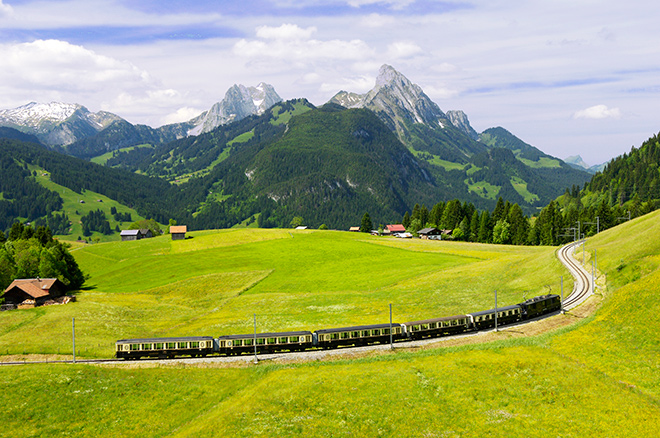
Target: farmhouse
{"type": "Point", "coordinates": [430, 232]}
{"type": "Point", "coordinates": [146, 233]}
{"type": "Point", "coordinates": [33, 291]}
{"type": "Point", "coordinates": [393, 229]}
{"type": "Point", "coordinates": [178, 232]}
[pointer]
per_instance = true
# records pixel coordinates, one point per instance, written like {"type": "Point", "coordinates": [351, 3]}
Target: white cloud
{"type": "Point", "coordinates": [6, 10]}
{"type": "Point", "coordinates": [292, 43]}
{"type": "Point", "coordinates": [377, 20]}
{"type": "Point", "coordinates": [394, 4]}
{"type": "Point", "coordinates": [358, 84]}
{"type": "Point", "coordinates": [598, 112]}
{"type": "Point", "coordinates": [285, 32]}
{"type": "Point", "coordinates": [402, 49]}
{"type": "Point", "coordinates": [58, 64]}
{"type": "Point", "coordinates": [181, 115]}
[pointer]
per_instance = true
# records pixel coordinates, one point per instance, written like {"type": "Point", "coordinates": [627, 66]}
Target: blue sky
{"type": "Point", "coordinates": [569, 77]}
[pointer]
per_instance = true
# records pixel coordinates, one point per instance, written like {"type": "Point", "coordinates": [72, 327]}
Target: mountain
{"type": "Point", "coordinates": [239, 102]}
{"type": "Point", "coordinates": [460, 120]}
{"type": "Point", "coordinates": [55, 123]}
{"type": "Point", "coordinates": [418, 121]}
{"type": "Point", "coordinates": [577, 162]}
{"type": "Point", "coordinates": [15, 134]}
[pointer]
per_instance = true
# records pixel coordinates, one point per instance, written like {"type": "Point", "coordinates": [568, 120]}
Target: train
{"type": "Point", "coordinates": [330, 338]}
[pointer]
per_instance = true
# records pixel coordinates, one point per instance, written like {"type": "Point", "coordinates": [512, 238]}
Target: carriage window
{"type": "Point", "coordinates": [182, 344]}
{"type": "Point", "coordinates": [334, 336]}
{"type": "Point", "coordinates": [248, 342]}
{"type": "Point", "coordinates": [146, 346]}
{"type": "Point", "coordinates": [135, 347]}
{"type": "Point", "coordinates": [433, 325]}
{"type": "Point", "coordinates": [365, 332]}
{"type": "Point", "coordinates": [386, 331]}
{"type": "Point", "coordinates": [171, 345]}
{"type": "Point", "coordinates": [345, 335]}
{"type": "Point", "coordinates": [159, 346]}
{"type": "Point", "coordinates": [194, 345]}
{"type": "Point", "coordinates": [355, 334]}
{"type": "Point", "coordinates": [375, 332]}
{"type": "Point", "coordinates": [283, 340]}
{"type": "Point", "coordinates": [261, 341]}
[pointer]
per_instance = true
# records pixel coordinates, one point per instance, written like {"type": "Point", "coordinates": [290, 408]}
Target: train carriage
{"type": "Point", "coordinates": [358, 335]}
{"type": "Point", "coordinates": [540, 306]}
{"type": "Point", "coordinates": [266, 342]}
{"type": "Point", "coordinates": [486, 318]}
{"type": "Point", "coordinates": [164, 347]}
{"type": "Point", "coordinates": [428, 328]}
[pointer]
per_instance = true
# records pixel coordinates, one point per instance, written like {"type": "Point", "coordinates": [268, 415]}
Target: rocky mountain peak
{"type": "Point", "coordinates": [239, 102]}
{"type": "Point", "coordinates": [460, 120]}
{"type": "Point", "coordinates": [56, 123]}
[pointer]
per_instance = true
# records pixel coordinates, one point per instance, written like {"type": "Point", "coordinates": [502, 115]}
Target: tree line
{"type": "Point", "coordinates": [30, 253]}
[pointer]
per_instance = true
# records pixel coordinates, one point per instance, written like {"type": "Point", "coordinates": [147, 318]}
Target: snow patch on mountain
{"type": "Point", "coordinates": [239, 102]}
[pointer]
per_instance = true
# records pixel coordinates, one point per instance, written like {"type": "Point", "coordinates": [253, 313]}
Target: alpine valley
{"type": "Point", "coordinates": [253, 158]}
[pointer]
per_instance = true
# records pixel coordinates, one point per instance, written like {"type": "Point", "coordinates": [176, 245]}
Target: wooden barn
{"type": "Point", "coordinates": [33, 290]}
{"type": "Point", "coordinates": [178, 232]}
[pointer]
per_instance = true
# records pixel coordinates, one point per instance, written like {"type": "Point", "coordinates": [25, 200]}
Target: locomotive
{"type": "Point", "coordinates": [264, 343]}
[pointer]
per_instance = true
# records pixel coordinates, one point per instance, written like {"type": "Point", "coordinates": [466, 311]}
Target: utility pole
{"type": "Point", "coordinates": [561, 306]}
{"type": "Point", "coordinates": [73, 334]}
{"type": "Point", "coordinates": [391, 339]}
{"type": "Point", "coordinates": [496, 311]}
{"type": "Point", "coordinates": [256, 360]}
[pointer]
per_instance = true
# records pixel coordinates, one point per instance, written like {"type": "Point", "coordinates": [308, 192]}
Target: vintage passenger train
{"type": "Point", "coordinates": [195, 346]}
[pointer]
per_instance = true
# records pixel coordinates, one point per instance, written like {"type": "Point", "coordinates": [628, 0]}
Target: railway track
{"type": "Point", "coordinates": [582, 287]}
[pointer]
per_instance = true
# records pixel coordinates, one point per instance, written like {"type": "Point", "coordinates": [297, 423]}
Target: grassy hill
{"type": "Point", "coordinates": [596, 375]}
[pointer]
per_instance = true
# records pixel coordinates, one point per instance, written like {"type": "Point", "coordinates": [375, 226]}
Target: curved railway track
{"type": "Point", "coordinates": [582, 287]}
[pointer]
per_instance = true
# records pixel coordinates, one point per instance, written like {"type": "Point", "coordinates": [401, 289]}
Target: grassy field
{"type": "Point", "coordinates": [77, 205]}
{"type": "Point", "coordinates": [596, 375]}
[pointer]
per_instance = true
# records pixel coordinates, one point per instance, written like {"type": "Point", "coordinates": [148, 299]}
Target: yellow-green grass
{"type": "Point", "coordinates": [597, 377]}
{"type": "Point", "coordinates": [541, 163]}
{"type": "Point", "coordinates": [213, 283]}
{"type": "Point", "coordinates": [102, 159]}
{"type": "Point", "coordinates": [242, 138]}
{"type": "Point", "coordinates": [91, 201]}
{"type": "Point", "coordinates": [520, 186]}
{"type": "Point", "coordinates": [483, 188]}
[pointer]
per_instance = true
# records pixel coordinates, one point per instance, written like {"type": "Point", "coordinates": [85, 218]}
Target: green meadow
{"type": "Point", "coordinates": [78, 204]}
{"type": "Point", "coordinates": [596, 373]}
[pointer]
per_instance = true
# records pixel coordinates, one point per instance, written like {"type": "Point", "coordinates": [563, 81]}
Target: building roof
{"type": "Point", "coordinates": [129, 232]}
{"type": "Point", "coordinates": [354, 229]}
{"type": "Point", "coordinates": [427, 230]}
{"type": "Point", "coordinates": [175, 229]}
{"type": "Point", "coordinates": [396, 228]}
{"type": "Point", "coordinates": [35, 287]}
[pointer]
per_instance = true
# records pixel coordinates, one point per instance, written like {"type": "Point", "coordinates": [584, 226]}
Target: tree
{"type": "Point", "coordinates": [501, 232]}
{"type": "Point", "coordinates": [366, 225]}
{"type": "Point", "coordinates": [323, 227]}
{"type": "Point", "coordinates": [149, 224]}
{"type": "Point", "coordinates": [484, 227]}
{"type": "Point", "coordinates": [297, 221]}
{"type": "Point", "coordinates": [406, 220]}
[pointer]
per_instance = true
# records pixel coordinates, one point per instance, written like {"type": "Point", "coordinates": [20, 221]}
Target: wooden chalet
{"type": "Point", "coordinates": [178, 232]}
{"type": "Point", "coordinates": [426, 233]}
{"type": "Point", "coordinates": [354, 229]}
{"type": "Point", "coordinates": [130, 235]}
{"type": "Point", "coordinates": [33, 291]}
